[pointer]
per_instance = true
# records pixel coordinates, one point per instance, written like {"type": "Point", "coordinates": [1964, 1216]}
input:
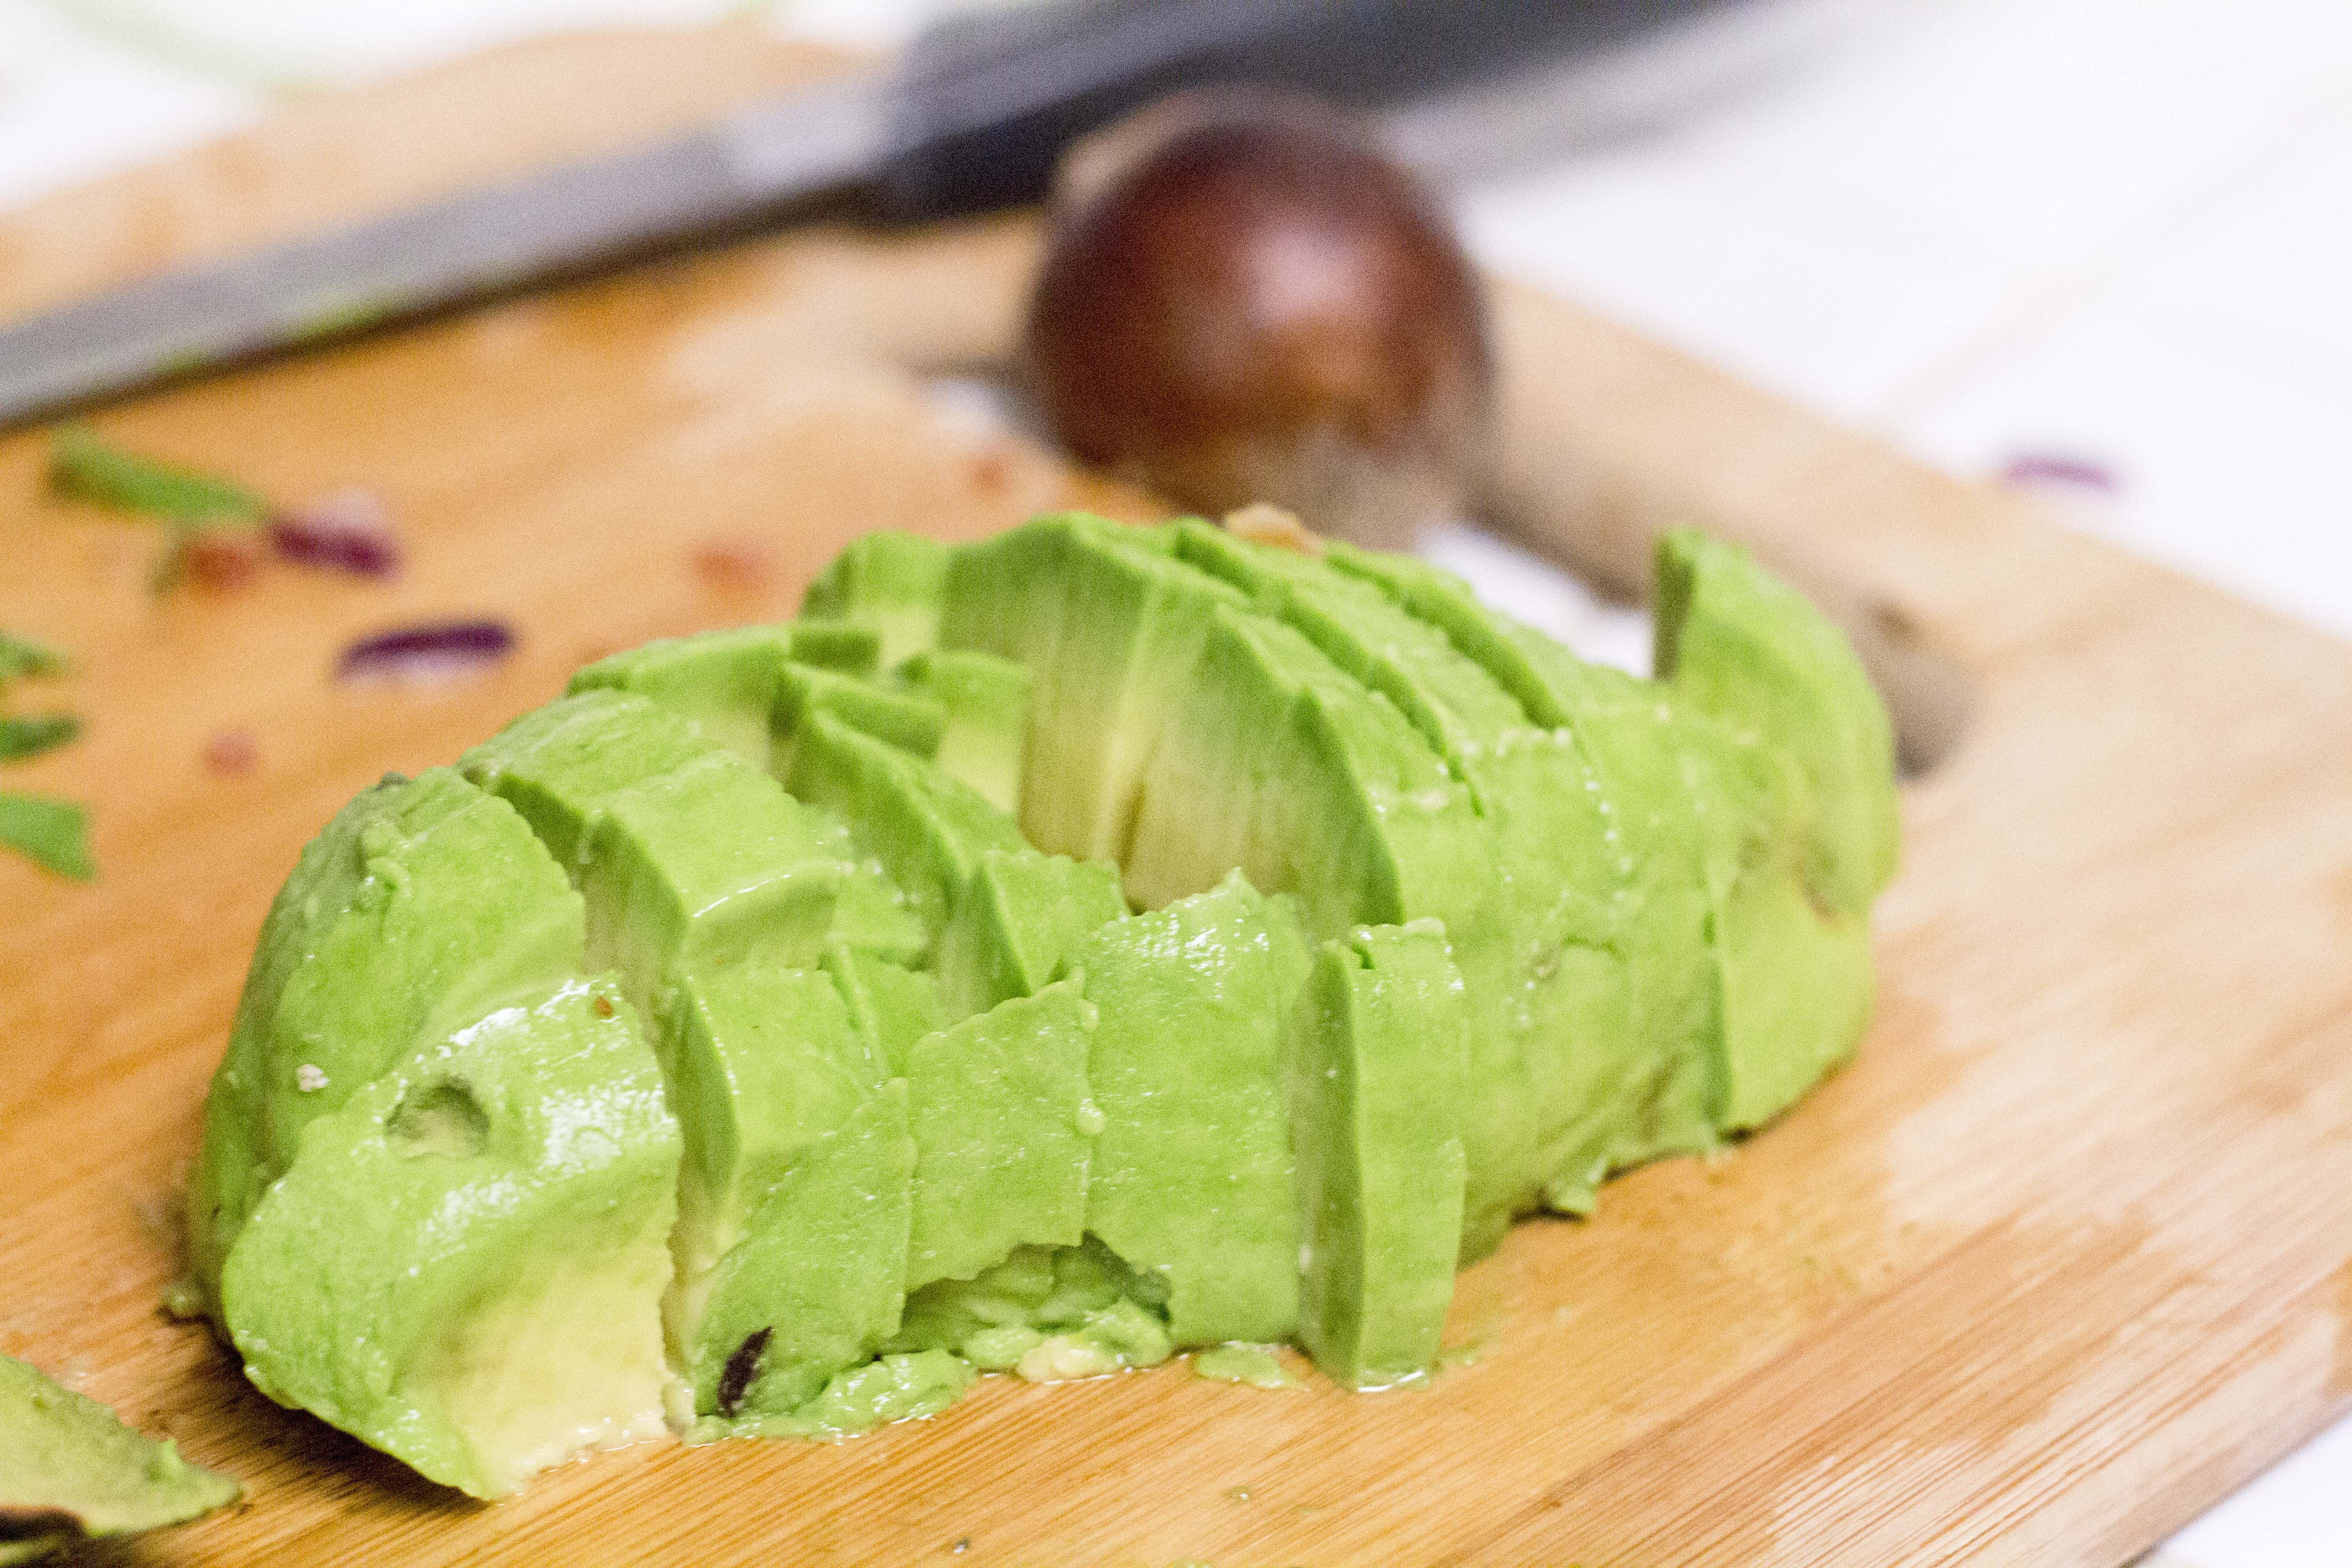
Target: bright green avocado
{"type": "Point", "coordinates": [887, 582]}
{"type": "Point", "coordinates": [1742, 646]}
{"type": "Point", "coordinates": [816, 1284]}
{"type": "Point", "coordinates": [765, 1062]}
{"type": "Point", "coordinates": [422, 906]}
{"type": "Point", "coordinates": [908, 720]}
{"type": "Point", "coordinates": [725, 682]}
{"type": "Point", "coordinates": [925, 830]}
{"type": "Point", "coordinates": [986, 702]}
{"type": "Point", "coordinates": [890, 1006]}
{"type": "Point", "coordinates": [1016, 922]}
{"type": "Point", "coordinates": [1046, 1312]}
{"type": "Point", "coordinates": [1191, 1176]}
{"type": "Point", "coordinates": [1551, 1001]}
{"type": "Point", "coordinates": [464, 1265]}
{"type": "Point", "coordinates": [1110, 638]}
{"type": "Point", "coordinates": [760, 1035]}
{"type": "Point", "coordinates": [1380, 1064]}
{"type": "Point", "coordinates": [70, 1471]}
{"type": "Point", "coordinates": [625, 794]}
{"type": "Point", "coordinates": [1004, 1129]}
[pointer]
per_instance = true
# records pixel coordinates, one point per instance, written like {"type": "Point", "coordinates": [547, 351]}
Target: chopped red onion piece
{"type": "Point", "coordinates": [2057, 470]}
{"type": "Point", "coordinates": [425, 654]}
{"type": "Point", "coordinates": [349, 530]}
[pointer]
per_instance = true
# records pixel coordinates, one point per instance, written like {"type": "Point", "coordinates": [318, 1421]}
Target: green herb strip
{"type": "Point", "coordinates": [21, 656]}
{"type": "Point", "coordinates": [52, 834]}
{"type": "Point", "coordinates": [34, 734]}
{"type": "Point", "coordinates": [82, 466]}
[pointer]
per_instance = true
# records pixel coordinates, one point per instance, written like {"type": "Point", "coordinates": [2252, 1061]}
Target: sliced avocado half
{"type": "Point", "coordinates": [71, 1472]}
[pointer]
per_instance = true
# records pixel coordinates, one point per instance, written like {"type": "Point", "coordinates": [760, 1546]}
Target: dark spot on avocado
{"type": "Point", "coordinates": [441, 1117]}
{"type": "Point", "coordinates": [735, 1381]}
{"type": "Point", "coordinates": [604, 1005]}
{"type": "Point", "coordinates": [36, 1523]}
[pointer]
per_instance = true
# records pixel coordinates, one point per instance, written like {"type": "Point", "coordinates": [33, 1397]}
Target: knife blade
{"type": "Point", "coordinates": [974, 115]}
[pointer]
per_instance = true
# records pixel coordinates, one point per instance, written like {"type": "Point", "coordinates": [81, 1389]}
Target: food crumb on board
{"type": "Point", "coordinates": [736, 564]}
{"type": "Point", "coordinates": [231, 752]}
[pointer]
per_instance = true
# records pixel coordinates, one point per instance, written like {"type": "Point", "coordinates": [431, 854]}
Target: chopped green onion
{"type": "Point", "coordinates": [81, 465]}
{"type": "Point", "coordinates": [52, 834]}
{"type": "Point", "coordinates": [29, 737]}
{"type": "Point", "coordinates": [23, 657]}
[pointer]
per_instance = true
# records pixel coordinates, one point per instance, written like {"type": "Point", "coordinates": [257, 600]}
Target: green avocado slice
{"type": "Point", "coordinates": [1740, 645]}
{"type": "Point", "coordinates": [724, 682]}
{"type": "Point", "coordinates": [909, 720]}
{"type": "Point", "coordinates": [817, 1283]}
{"type": "Point", "coordinates": [423, 905]}
{"type": "Point", "coordinates": [1743, 990]}
{"type": "Point", "coordinates": [1199, 736]}
{"type": "Point", "coordinates": [465, 1264]}
{"type": "Point", "coordinates": [986, 702]}
{"type": "Point", "coordinates": [1108, 638]}
{"type": "Point", "coordinates": [1191, 1177]}
{"type": "Point", "coordinates": [890, 583]}
{"type": "Point", "coordinates": [684, 851]}
{"type": "Point", "coordinates": [1004, 1130]}
{"type": "Point", "coordinates": [1552, 1002]}
{"type": "Point", "coordinates": [926, 829]}
{"type": "Point", "coordinates": [1380, 1068]}
{"type": "Point", "coordinates": [764, 1062]}
{"type": "Point", "coordinates": [1016, 922]}
{"type": "Point", "coordinates": [71, 1472]}
{"type": "Point", "coordinates": [890, 1006]}
{"type": "Point", "coordinates": [1046, 1312]}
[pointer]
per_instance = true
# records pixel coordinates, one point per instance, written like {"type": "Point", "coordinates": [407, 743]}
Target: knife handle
{"type": "Point", "coordinates": [990, 101]}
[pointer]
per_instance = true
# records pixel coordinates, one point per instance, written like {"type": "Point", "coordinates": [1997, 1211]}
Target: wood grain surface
{"type": "Point", "coordinates": [2058, 1261]}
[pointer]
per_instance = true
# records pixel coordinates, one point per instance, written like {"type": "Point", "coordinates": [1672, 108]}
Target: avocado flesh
{"type": "Point", "coordinates": [1271, 758]}
{"type": "Point", "coordinates": [1108, 637]}
{"type": "Point", "coordinates": [890, 1006]}
{"type": "Point", "coordinates": [766, 1066]}
{"type": "Point", "coordinates": [717, 894]}
{"type": "Point", "coordinates": [71, 1472]}
{"type": "Point", "coordinates": [1016, 922]}
{"type": "Point", "coordinates": [424, 904]}
{"type": "Point", "coordinates": [1192, 1180]}
{"type": "Point", "coordinates": [986, 703]}
{"type": "Point", "coordinates": [1004, 1129]}
{"type": "Point", "coordinates": [724, 682]}
{"type": "Point", "coordinates": [1046, 1312]}
{"type": "Point", "coordinates": [887, 582]}
{"type": "Point", "coordinates": [817, 1283]}
{"type": "Point", "coordinates": [1742, 646]}
{"type": "Point", "coordinates": [925, 830]}
{"type": "Point", "coordinates": [1380, 1074]}
{"type": "Point", "coordinates": [1552, 1000]}
{"type": "Point", "coordinates": [464, 1265]}
{"type": "Point", "coordinates": [909, 720]}
{"type": "Point", "coordinates": [1741, 991]}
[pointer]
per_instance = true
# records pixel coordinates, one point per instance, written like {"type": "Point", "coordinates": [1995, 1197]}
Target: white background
{"type": "Point", "coordinates": [2117, 232]}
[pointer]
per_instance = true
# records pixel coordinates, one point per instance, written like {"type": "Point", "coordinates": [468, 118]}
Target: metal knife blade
{"type": "Point", "coordinates": [755, 162]}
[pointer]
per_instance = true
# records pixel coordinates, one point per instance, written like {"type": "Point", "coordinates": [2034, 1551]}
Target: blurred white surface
{"type": "Point", "coordinates": [2114, 232]}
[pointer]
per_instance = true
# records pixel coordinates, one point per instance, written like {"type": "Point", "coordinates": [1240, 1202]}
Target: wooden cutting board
{"type": "Point", "coordinates": [2061, 1260]}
